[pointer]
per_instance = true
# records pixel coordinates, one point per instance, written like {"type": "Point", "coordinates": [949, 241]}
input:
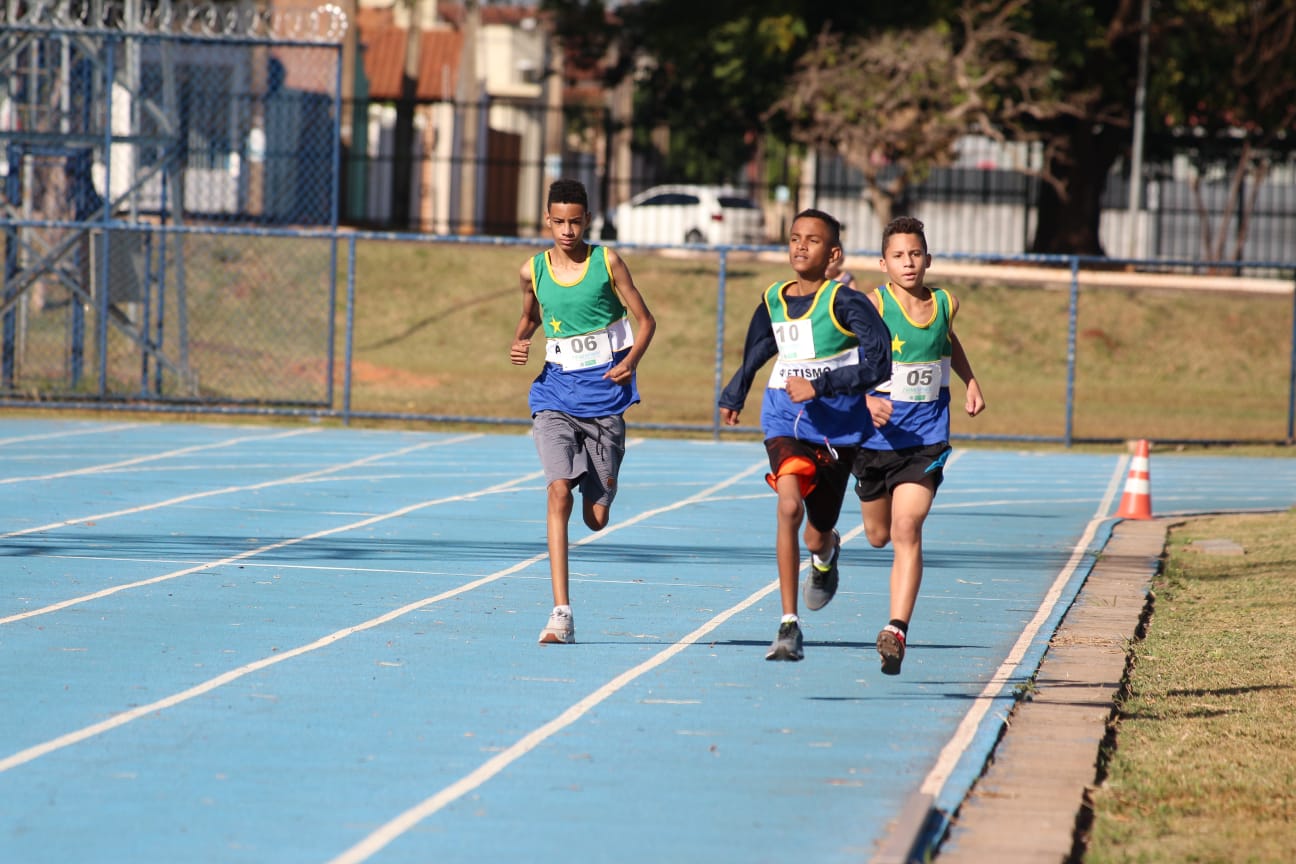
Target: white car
{"type": "Point", "coordinates": [715, 215]}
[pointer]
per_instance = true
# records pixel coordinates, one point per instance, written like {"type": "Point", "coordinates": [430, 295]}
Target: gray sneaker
{"type": "Point", "coordinates": [787, 644]}
{"type": "Point", "coordinates": [561, 629]}
{"type": "Point", "coordinates": [821, 585]}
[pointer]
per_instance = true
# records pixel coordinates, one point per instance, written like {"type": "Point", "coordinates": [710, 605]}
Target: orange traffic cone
{"type": "Point", "coordinates": [1136, 503]}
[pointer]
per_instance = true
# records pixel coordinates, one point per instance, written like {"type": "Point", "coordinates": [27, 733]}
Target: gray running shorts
{"type": "Point", "coordinates": [588, 449]}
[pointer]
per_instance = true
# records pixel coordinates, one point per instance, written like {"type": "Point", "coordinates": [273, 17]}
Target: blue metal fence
{"type": "Point", "coordinates": [252, 342]}
{"type": "Point", "coordinates": [170, 220]}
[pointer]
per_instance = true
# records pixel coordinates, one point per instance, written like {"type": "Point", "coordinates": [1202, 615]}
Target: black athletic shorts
{"type": "Point", "coordinates": [831, 475]}
{"type": "Point", "coordinates": [877, 472]}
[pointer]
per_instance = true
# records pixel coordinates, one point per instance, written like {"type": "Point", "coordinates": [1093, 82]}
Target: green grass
{"type": "Point", "coordinates": [433, 323]}
{"type": "Point", "coordinates": [1203, 766]}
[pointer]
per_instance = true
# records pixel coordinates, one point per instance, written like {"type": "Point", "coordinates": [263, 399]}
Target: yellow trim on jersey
{"type": "Point", "coordinates": [935, 292]}
{"type": "Point", "coordinates": [832, 310]}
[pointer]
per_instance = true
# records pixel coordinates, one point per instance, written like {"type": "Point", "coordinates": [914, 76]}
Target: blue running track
{"type": "Point", "coordinates": [298, 644]}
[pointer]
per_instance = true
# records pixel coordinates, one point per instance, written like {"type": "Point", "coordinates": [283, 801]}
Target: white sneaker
{"type": "Point", "coordinates": [560, 630]}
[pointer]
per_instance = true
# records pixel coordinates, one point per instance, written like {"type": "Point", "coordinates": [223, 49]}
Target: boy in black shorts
{"type": "Point", "coordinates": [901, 460]}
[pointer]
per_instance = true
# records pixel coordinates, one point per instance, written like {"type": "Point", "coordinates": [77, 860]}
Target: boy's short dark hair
{"type": "Point", "coordinates": [903, 225]}
{"type": "Point", "coordinates": [834, 227]}
{"type": "Point", "coordinates": [566, 191]}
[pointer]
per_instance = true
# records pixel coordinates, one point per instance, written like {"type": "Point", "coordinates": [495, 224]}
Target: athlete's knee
{"type": "Point", "coordinates": [596, 516]}
{"type": "Point", "coordinates": [907, 530]}
{"type": "Point", "coordinates": [790, 508]}
{"type": "Point", "coordinates": [877, 536]}
{"type": "Point", "coordinates": [560, 495]}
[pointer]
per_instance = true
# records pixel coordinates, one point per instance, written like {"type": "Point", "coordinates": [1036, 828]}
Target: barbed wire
{"type": "Point", "coordinates": [326, 23]}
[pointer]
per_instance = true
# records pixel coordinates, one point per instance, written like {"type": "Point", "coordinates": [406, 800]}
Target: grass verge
{"type": "Point", "coordinates": [1203, 766]}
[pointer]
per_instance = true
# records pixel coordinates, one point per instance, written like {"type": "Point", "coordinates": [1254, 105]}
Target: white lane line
{"type": "Point", "coordinates": [181, 499]}
{"type": "Point", "coordinates": [210, 684]}
{"type": "Point", "coordinates": [251, 553]}
{"type": "Point", "coordinates": [68, 433]}
{"type": "Point", "coordinates": [139, 460]}
{"type": "Point", "coordinates": [117, 720]}
{"type": "Point", "coordinates": [966, 731]}
{"type": "Point", "coordinates": [402, 823]}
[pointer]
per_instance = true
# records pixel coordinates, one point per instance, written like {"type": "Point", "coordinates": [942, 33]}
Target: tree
{"type": "Point", "coordinates": [1222, 75]}
{"type": "Point", "coordinates": [706, 71]}
{"type": "Point", "coordinates": [1227, 95]}
{"type": "Point", "coordinates": [1095, 56]}
{"type": "Point", "coordinates": [894, 105]}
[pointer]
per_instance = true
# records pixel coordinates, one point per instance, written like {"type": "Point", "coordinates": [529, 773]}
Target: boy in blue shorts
{"type": "Point", "coordinates": [580, 295]}
{"type": "Point", "coordinates": [900, 463]}
{"type": "Point", "coordinates": [831, 347]}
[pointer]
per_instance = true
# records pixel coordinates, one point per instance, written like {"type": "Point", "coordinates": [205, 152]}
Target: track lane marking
{"type": "Point", "coordinates": [61, 742]}
{"type": "Point", "coordinates": [67, 433]}
{"type": "Point", "coordinates": [269, 547]}
{"type": "Point", "coordinates": [139, 460]}
{"type": "Point", "coordinates": [195, 496]}
{"type": "Point", "coordinates": [954, 749]}
{"type": "Point", "coordinates": [402, 823]}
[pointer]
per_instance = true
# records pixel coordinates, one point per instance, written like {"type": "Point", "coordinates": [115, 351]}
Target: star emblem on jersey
{"type": "Point", "coordinates": [555, 325]}
{"type": "Point", "coordinates": [897, 344]}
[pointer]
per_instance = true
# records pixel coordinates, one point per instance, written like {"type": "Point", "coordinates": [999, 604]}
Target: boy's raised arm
{"type": "Point", "coordinates": [758, 348]}
{"type": "Point", "coordinates": [645, 323]}
{"type": "Point", "coordinates": [529, 321]}
{"type": "Point", "coordinates": [974, 403]}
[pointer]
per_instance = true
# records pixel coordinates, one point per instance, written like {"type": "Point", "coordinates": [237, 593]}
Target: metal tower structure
{"type": "Point", "coordinates": [97, 142]}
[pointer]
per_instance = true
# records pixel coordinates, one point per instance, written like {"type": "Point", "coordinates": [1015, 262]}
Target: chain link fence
{"type": "Point", "coordinates": [170, 208]}
{"type": "Point", "coordinates": [129, 154]}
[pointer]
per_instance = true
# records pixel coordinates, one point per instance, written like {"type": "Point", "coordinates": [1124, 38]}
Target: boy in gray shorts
{"type": "Point", "coordinates": [583, 296]}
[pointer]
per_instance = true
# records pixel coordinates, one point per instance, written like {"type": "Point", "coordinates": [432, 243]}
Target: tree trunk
{"type": "Point", "coordinates": [1068, 224]}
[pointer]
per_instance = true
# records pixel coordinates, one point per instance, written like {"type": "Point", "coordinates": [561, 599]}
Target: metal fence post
{"type": "Point", "coordinates": [1291, 382]}
{"type": "Point", "coordinates": [719, 349]}
{"type": "Point", "coordinates": [105, 287]}
{"type": "Point", "coordinates": [350, 330]}
{"type": "Point", "coordinates": [1071, 349]}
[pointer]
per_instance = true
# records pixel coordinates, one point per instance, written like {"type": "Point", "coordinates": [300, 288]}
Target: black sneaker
{"type": "Point", "coordinates": [787, 644]}
{"type": "Point", "coordinates": [821, 585]}
{"type": "Point", "coordinates": [891, 648]}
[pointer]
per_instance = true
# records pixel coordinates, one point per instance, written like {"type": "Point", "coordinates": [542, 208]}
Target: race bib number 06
{"type": "Point", "coordinates": [589, 349]}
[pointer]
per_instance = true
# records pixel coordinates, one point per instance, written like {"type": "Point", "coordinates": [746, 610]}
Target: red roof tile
{"type": "Point", "coordinates": [384, 59]}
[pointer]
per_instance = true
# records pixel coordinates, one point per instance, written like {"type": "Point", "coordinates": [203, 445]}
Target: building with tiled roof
{"type": "Point", "coordinates": [470, 174]}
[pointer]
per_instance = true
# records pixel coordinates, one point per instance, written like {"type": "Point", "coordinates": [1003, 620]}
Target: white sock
{"type": "Point", "coordinates": [789, 619]}
{"type": "Point", "coordinates": [565, 610]}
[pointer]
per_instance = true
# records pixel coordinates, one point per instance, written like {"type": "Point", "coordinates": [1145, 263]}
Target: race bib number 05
{"type": "Point", "coordinates": [917, 382]}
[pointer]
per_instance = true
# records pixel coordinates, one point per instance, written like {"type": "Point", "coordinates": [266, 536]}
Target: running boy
{"type": "Point", "coordinates": [900, 463]}
{"type": "Point", "coordinates": [831, 347]}
{"type": "Point", "coordinates": [579, 293]}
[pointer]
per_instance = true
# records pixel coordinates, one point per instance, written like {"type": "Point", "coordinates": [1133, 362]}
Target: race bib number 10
{"type": "Point", "coordinates": [795, 340]}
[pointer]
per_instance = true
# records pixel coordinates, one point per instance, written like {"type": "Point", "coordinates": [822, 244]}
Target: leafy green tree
{"type": "Point", "coordinates": [1095, 57]}
{"type": "Point", "coordinates": [1222, 84]}
{"type": "Point", "coordinates": [706, 71]}
{"type": "Point", "coordinates": [1225, 94]}
{"type": "Point", "coordinates": [894, 105]}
